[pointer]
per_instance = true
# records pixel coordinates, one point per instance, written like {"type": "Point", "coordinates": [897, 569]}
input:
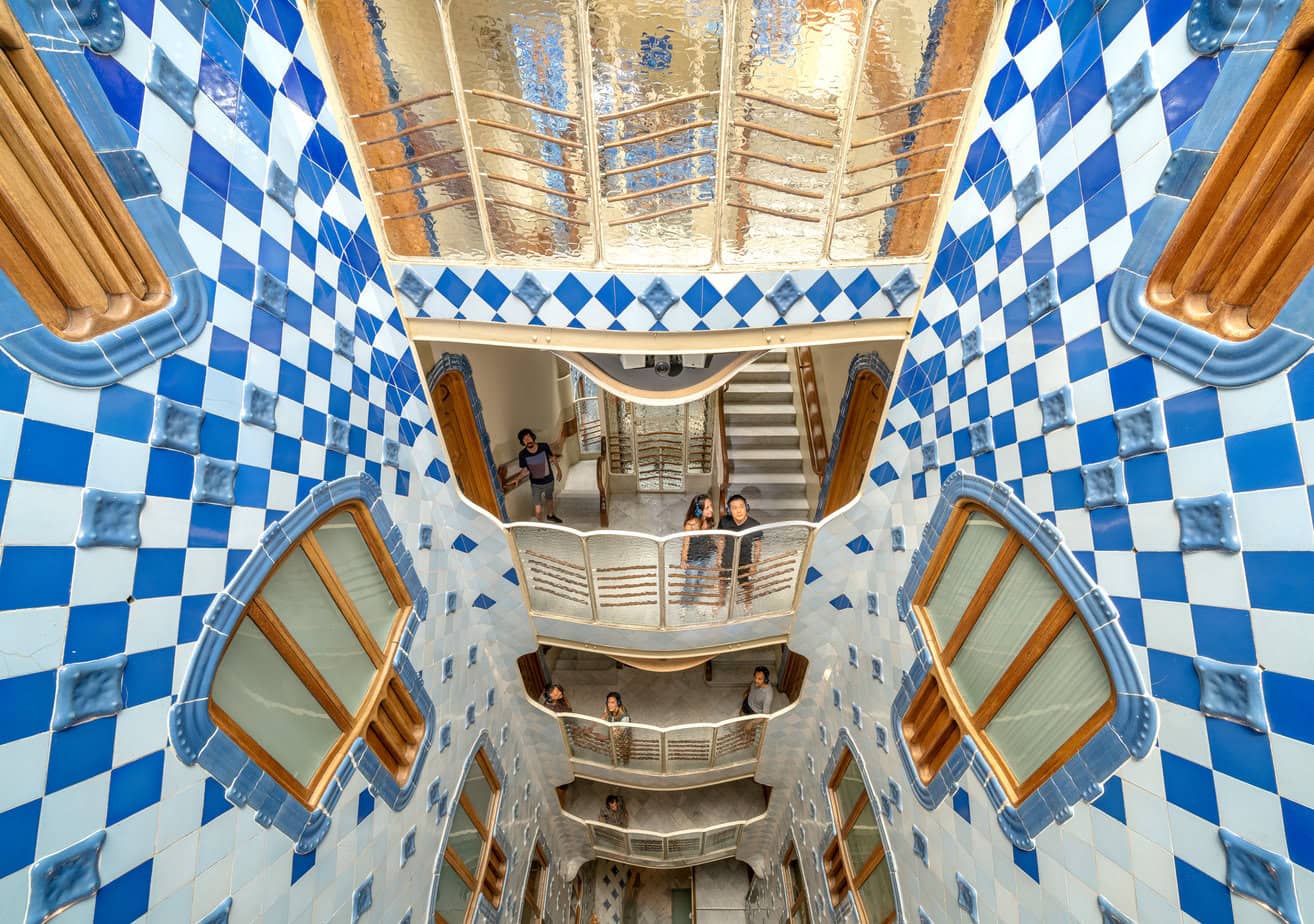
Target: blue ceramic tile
{"type": "Point", "coordinates": [88, 689]}
{"type": "Point", "coordinates": [110, 518]}
{"type": "Point", "coordinates": [1232, 691]}
{"type": "Point", "coordinates": [1132, 91]}
{"type": "Point", "coordinates": [170, 84]}
{"type": "Point", "coordinates": [64, 878]}
{"type": "Point", "coordinates": [1207, 523]}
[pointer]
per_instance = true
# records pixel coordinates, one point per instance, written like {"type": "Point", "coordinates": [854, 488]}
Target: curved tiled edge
{"type": "Point", "coordinates": [1129, 733]}
{"type": "Point", "coordinates": [1207, 358]}
{"type": "Point", "coordinates": [862, 361]}
{"type": "Point", "coordinates": [485, 742]}
{"type": "Point", "coordinates": [844, 740]}
{"type": "Point", "coordinates": [458, 362]}
{"type": "Point", "coordinates": [195, 737]}
{"type": "Point", "coordinates": [58, 39]}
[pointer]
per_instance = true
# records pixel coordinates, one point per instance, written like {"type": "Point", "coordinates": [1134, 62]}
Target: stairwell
{"type": "Point", "coordinates": [763, 454]}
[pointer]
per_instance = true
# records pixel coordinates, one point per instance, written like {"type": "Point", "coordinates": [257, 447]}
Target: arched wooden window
{"type": "Point", "coordinates": [855, 860]}
{"type": "Point", "coordinates": [474, 863]}
{"type": "Point", "coordinates": [67, 242]}
{"type": "Point", "coordinates": [1015, 667]}
{"type": "Point", "coordinates": [465, 447]}
{"type": "Point", "coordinates": [308, 668]}
{"type": "Point", "coordinates": [1246, 241]}
{"type": "Point", "coordinates": [862, 420]}
{"type": "Point", "coordinates": [796, 890]}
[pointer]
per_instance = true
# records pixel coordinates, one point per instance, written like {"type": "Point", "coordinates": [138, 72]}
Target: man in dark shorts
{"type": "Point", "coordinates": [537, 463]}
{"type": "Point", "coordinates": [737, 520]}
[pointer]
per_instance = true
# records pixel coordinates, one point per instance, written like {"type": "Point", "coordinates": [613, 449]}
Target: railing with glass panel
{"type": "Point", "coordinates": [656, 849]}
{"type": "Point", "coordinates": [681, 581]}
{"type": "Point", "coordinates": [656, 757]}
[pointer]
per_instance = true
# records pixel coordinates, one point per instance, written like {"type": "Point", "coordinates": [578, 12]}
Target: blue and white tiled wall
{"type": "Point", "coordinates": [127, 508]}
{"type": "Point", "coordinates": [597, 300]}
{"type": "Point", "coordinates": [1014, 372]}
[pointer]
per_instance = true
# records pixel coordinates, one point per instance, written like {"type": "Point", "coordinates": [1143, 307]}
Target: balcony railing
{"type": "Point", "coordinates": [674, 750]}
{"type": "Point", "coordinates": [656, 849]}
{"type": "Point", "coordinates": [633, 580]}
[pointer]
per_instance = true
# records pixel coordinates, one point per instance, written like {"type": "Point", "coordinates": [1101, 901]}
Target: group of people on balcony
{"type": "Point", "coordinates": [615, 713]}
{"type": "Point", "coordinates": [705, 560]}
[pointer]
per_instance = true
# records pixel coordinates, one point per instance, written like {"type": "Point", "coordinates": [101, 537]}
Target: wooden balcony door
{"type": "Point", "coordinates": [456, 420]}
{"type": "Point", "coordinates": [866, 401]}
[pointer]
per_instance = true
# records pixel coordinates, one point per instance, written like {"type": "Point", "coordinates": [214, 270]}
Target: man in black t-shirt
{"type": "Point", "coordinates": [737, 520]}
{"type": "Point", "coordinates": [537, 463]}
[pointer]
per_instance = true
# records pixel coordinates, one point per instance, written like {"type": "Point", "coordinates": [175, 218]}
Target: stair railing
{"type": "Point", "coordinates": [814, 424]}
{"type": "Point", "coordinates": [604, 482]}
{"type": "Point", "coordinates": [720, 461]}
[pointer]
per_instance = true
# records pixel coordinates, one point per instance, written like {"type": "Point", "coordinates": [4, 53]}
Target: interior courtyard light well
{"type": "Point", "coordinates": [572, 461]}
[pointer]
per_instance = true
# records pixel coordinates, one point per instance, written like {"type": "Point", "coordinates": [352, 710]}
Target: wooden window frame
{"type": "Point", "coordinates": [535, 885]}
{"type": "Point", "coordinates": [491, 875]}
{"type": "Point", "coordinates": [68, 243]}
{"type": "Point", "coordinates": [939, 686]}
{"type": "Point", "coordinates": [387, 718]}
{"type": "Point", "coordinates": [841, 877]}
{"type": "Point", "coordinates": [796, 904]}
{"type": "Point", "coordinates": [1255, 200]}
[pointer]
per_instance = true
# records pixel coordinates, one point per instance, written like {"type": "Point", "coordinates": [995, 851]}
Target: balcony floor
{"type": "Point", "coordinates": [657, 699]}
{"type": "Point", "coordinates": [671, 811]}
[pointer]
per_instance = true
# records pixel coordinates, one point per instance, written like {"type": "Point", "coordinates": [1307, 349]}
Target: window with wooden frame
{"type": "Point", "coordinates": [1014, 665]}
{"type": "Point", "coordinates": [1246, 241]}
{"type": "Point", "coordinates": [308, 668]}
{"type": "Point", "coordinates": [531, 908]}
{"type": "Point", "coordinates": [67, 242]}
{"type": "Point", "coordinates": [474, 863]}
{"type": "Point", "coordinates": [796, 891]}
{"type": "Point", "coordinates": [855, 861]}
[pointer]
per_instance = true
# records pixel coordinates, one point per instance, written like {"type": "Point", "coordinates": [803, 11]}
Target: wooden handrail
{"type": "Point", "coordinates": [603, 519]}
{"type": "Point", "coordinates": [724, 486]}
{"type": "Point", "coordinates": [813, 421]}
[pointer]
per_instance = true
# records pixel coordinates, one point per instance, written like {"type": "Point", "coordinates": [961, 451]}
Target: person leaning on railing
{"type": "Point", "coordinates": [614, 812]}
{"type": "Point", "coordinates": [615, 714]}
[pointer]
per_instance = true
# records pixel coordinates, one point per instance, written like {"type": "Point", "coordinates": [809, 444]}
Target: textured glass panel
{"type": "Point", "coordinates": [636, 747]}
{"type": "Point", "coordinates": [877, 894]}
{"type": "Point", "coordinates": [689, 749]}
{"type": "Point", "coordinates": [900, 148]}
{"type": "Point", "coordinates": [257, 689]}
{"type": "Point", "coordinates": [975, 550]}
{"type": "Point", "coordinates": [738, 742]}
{"type": "Point", "coordinates": [698, 454]}
{"type": "Point", "coordinates": [646, 53]}
{"type": "Point", "coordinates": [620, 435]}
{"type": "Point", "coordinates": [864, 839]}
{"type": "Point", "coordinates": [698, 578]}
{"type": "Point", "coordinates": [302, 603]}
{"type": "Point", "coordinates": [849, 791]}
{"type": "Point", "coordinates": [520, 63]}
{"type": "Point", "coordinates": [1014, 612]}
{"type": "Point", "coordinates": [359, 573]}
{"type": "Point", "coordinates": [659, 436]}
{"type": "Point", "coordinates": [624, 572]}
{"type": "Point", "coordinates": [466, 841]}
{"type": "Point", "coordinates": [608, 838]}
{"type": "Point", "coordinates": [388, 58]}
{"type": "Point", "coordinates": [642, 845]}
{"type": "Point", "coordinates": [453, 895]}
{"type": "Point", "coordinates": [767, 570]}
{"type": "Point", "coordinates": [552, 563]}
{"type": "Point", "coordinates": [684, 846]}
{"type": "Point", "coordinates": [721, 839]}
{"type": "Point", "coordinates": [480, 794]}
{"type": "Point", "coordinates": [794, 62]}
{"type": "Point", "coordinates": [1066, 687]}
{"type": "Point", "coordinates": [589, 740]}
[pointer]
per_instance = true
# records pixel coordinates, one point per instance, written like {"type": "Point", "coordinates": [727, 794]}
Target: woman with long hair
{"type": "Point", "coordinates": [615, 714]}
{"type": "Point", "coordinates": [699, 555]}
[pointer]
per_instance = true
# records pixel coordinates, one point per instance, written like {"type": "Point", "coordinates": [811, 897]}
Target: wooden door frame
{"type": "Point", "coordinates": [864, 367]}
{"type": "Point", "coordinates": [450, 368]}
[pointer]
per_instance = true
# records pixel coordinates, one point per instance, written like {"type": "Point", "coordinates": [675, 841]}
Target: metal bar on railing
{"type": "Point", "coordinates": [711, 750]}
{"type": "Point", "coordinates": [588, 575]}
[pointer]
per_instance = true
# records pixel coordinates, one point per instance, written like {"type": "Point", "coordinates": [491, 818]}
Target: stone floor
{"type": "Point", "coordinates": [676, 810]}
{"type": "Point", "coordinates": [577, 505]}
{"type": "Point", "coordinates": [719, 889]}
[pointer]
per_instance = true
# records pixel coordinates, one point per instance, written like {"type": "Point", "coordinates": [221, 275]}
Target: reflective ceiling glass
{"type": "Point", "coordinates": [656, 133]}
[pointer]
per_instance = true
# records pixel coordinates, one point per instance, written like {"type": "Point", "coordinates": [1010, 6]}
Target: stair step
{"type": "Point", "coordinates": [747, 467]}
{"type": "Point", "coordinates": [758, 407]}
{"type": "Point", "coordinates": [739, 473]}
{"type": "Point", "coordinates": [757, 430]}
{"type": "Point", "coordinates": [739, 388]}
{"type": "Point", "coordinates": [767, 376]}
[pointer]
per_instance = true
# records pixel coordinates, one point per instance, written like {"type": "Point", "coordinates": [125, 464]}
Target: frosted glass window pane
{"type": "Point", "coordinates": [1015, 610]}
{"type": "Point", "coordinates": [480, 794]}
{"type": "Point", "coordinates": [849, 790]}
{"type": "Point", "coordinates": [356, 568]}
{"type": "Point", "coordinates": [978, 544]}
{"type": "Point", "coordinates": [466, 841]}
{"type": "Point", "coordinates": [877, 894]}
{"type": "Point", "coordinates": [864, 839]}
{"type": "Point", "coordinates": [303, 605]}
{"type": "Point", "coordinates": [257, 689]}
{"type": "Point", "coordinates": [1065, 688]}
{"type": "Point", "coordinates": [453, 895]}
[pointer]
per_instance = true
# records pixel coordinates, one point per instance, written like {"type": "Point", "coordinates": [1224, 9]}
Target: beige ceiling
{"type": "Point", "coordinates": [655, 133]}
